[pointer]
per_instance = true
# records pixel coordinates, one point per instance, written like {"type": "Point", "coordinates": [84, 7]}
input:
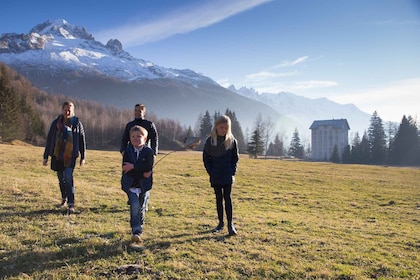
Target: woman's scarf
{"type": "Point", "coordinates": [63, 149]}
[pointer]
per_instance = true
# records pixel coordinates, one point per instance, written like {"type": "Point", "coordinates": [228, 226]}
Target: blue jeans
{"type": "Point", "coordinates": [65, 180]}
{"type": "Point", "coordinates": [137, 212]}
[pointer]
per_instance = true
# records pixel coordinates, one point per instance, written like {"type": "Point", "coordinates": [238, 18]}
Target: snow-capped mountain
{"type": "Point", "coordinates": [62, 58]}
{"type": "Point", "coordinates": [306, 110]}
{"type": "Point", "coordinates": [64, 43]}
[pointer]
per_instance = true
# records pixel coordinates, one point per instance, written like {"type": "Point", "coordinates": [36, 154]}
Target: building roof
{"type": "Point", "coordinates": [337, 124]}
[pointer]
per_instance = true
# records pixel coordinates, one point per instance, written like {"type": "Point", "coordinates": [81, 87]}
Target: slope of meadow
{"type": "Point", "coordinates": [295, 220]}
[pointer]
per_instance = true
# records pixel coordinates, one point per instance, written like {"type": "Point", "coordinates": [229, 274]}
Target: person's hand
{"type": "Point", "coordinates": [82, 162]}
{"type": "Point", "coordinates": [44, 163]}
{"type": "Point", "coordinates": [147, 174]}
{"type": "Point", "coordinates": [127, 166]}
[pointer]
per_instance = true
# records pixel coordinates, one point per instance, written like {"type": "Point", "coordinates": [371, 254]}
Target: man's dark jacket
{"type": "Point", "coordinates": [152, 134]}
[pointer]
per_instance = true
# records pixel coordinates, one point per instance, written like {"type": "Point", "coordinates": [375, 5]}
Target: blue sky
{"type": "Point", "coordinates": [364, 52]}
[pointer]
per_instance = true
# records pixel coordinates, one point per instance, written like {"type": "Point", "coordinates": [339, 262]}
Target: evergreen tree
{"type": "Point", "coordinates": [276, 148]}
{"type": "Point", "coordinates": [31, 126]}
{"type": "Point", "coordinates": [190, 132]}
{"type": "Point", "coordinates": [364, 150]}
{"type": "Point", "coordinates": [215, 116]}
{"type": "Point", "coordinates": [377, 140]}
{"type": "Point", "coordinates": [236, 130]}
{"type": "Point", "coordinates": [9, 109]}
{"type": "Point", "coordinates": [296, 148]}
{"type": "Point", "coordinates": [392, 132]}
{"type": "Point", "coordinates": [206, 125]}
{"type": "Point", "coordinates": [405, 149]}
{"type": "Point", "coordinates": [335, 157]}
{"type": "Point", "coordinates": [256, 144]}
{"type": "Point", "coordinates": [355, 156]}
{"type": "Point", "coordinates": [346, 156]}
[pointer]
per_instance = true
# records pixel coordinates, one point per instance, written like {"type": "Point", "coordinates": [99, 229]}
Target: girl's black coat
{"type": "Point", "coordinates": [220, 164]}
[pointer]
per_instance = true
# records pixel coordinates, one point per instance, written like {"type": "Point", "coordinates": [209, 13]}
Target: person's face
{"type": "Point", "coordinates": [138, 112]}
{"type": "Point", "coordinates": [222, 129]}
{"type": "Point", "coordinates": [137, 139]}
{"type": "Point", "coordinates": [68, 111]}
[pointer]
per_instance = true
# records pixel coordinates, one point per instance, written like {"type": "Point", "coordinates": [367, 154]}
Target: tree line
{"type": "Point", "coordinates": [26, 113]}
{"type": "Point", "coordinates": [400, 146]}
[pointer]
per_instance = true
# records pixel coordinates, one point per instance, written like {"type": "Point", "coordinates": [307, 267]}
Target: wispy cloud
{"type": "Point", "coordinates": [268, 75]}
{"type": "Point", "coordinates": [271, 81]}
{"type": "Point", "coordinates": [291, 63]}
{"type": "Point", "coordinates": [181, 21]}
{"type": "Point", "coordinates": [314, 84]}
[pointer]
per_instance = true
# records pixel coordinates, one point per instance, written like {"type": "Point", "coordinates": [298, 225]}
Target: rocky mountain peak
{"type": "Point", "coordinates": [62, 28]}
{"type": "Point", "coordinates": [114, 45]}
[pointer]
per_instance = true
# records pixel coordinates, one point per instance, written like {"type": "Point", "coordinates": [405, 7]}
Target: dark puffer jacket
{"type": "Point", "coordinates": [220, 164]}
{"type": "Point", "coordinates": [152, 134]}
{"type": "Point", "coordinates": [144, 163]}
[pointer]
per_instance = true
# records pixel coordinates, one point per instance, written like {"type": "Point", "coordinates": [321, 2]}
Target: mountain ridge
{"type": "Point", "coordinates": [62, 58]}
{"type": "Point", "coordinates": [292, 106]}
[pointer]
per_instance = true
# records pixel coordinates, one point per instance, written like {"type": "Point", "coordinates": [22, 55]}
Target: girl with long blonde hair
{"type": "Point", "coordinates": [220, 157]}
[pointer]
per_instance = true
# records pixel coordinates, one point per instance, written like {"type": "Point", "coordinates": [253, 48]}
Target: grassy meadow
{"type": "Point", "coordinates": [295, 220]}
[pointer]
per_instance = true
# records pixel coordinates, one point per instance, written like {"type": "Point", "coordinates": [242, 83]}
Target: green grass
{"type": "Point", "coordinates": [295, 220]}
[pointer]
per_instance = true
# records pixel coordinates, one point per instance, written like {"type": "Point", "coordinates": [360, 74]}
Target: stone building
{"type": "Point", "coordinates": [325, 134]}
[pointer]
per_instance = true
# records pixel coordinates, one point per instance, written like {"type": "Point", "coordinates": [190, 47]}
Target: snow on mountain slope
{"type": "Point", "coordinates": [64, 43]}
{"type": "Point", "coordinates": [65, 58]}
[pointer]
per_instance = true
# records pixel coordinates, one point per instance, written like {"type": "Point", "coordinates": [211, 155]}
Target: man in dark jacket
{"type": "Point", "coordinates": [139, 119]}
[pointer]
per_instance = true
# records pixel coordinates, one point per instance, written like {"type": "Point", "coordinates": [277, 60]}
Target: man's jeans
{"type": "Point", "coordinates": [65, 180]}
{"type": "Point", "coordinates": [137, 212]}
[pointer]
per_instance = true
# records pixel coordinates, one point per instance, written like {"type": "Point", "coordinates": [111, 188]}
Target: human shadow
{"type": "Point", "coordinates": [72, 251]}
{"type": "Point", "coordinates": [202, 235]}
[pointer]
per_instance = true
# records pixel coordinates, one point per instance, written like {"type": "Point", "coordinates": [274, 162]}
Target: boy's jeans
{"type": "Point", "coordinates": [137, 212]}
{"type": "Point", "coordinates": [65, 180]}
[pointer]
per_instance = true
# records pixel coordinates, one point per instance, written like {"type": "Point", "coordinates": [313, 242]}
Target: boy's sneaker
{"type": "Point", "coordinates": [63, 202]}
{"type": "Point", "coordinates": [136, 238]}
{"type": "Point", "coordinates": [71, 210]}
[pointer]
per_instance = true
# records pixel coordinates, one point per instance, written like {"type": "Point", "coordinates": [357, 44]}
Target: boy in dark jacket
{"type": "Point", "coordinates": [137, 179]}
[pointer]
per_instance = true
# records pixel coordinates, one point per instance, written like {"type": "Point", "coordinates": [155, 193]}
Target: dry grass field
{"type": "Point", "coordinates": [295, 220]}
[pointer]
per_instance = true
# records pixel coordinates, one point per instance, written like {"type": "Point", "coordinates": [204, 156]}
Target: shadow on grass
{"type": "Point", "coordinates": [72, 251]}
{"type": "Point", "coordinates": [66, 252]}
{"type": "Point", "coordinates": [12, 211]}
{"type": "Point", "coordinates": [206, 235]}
